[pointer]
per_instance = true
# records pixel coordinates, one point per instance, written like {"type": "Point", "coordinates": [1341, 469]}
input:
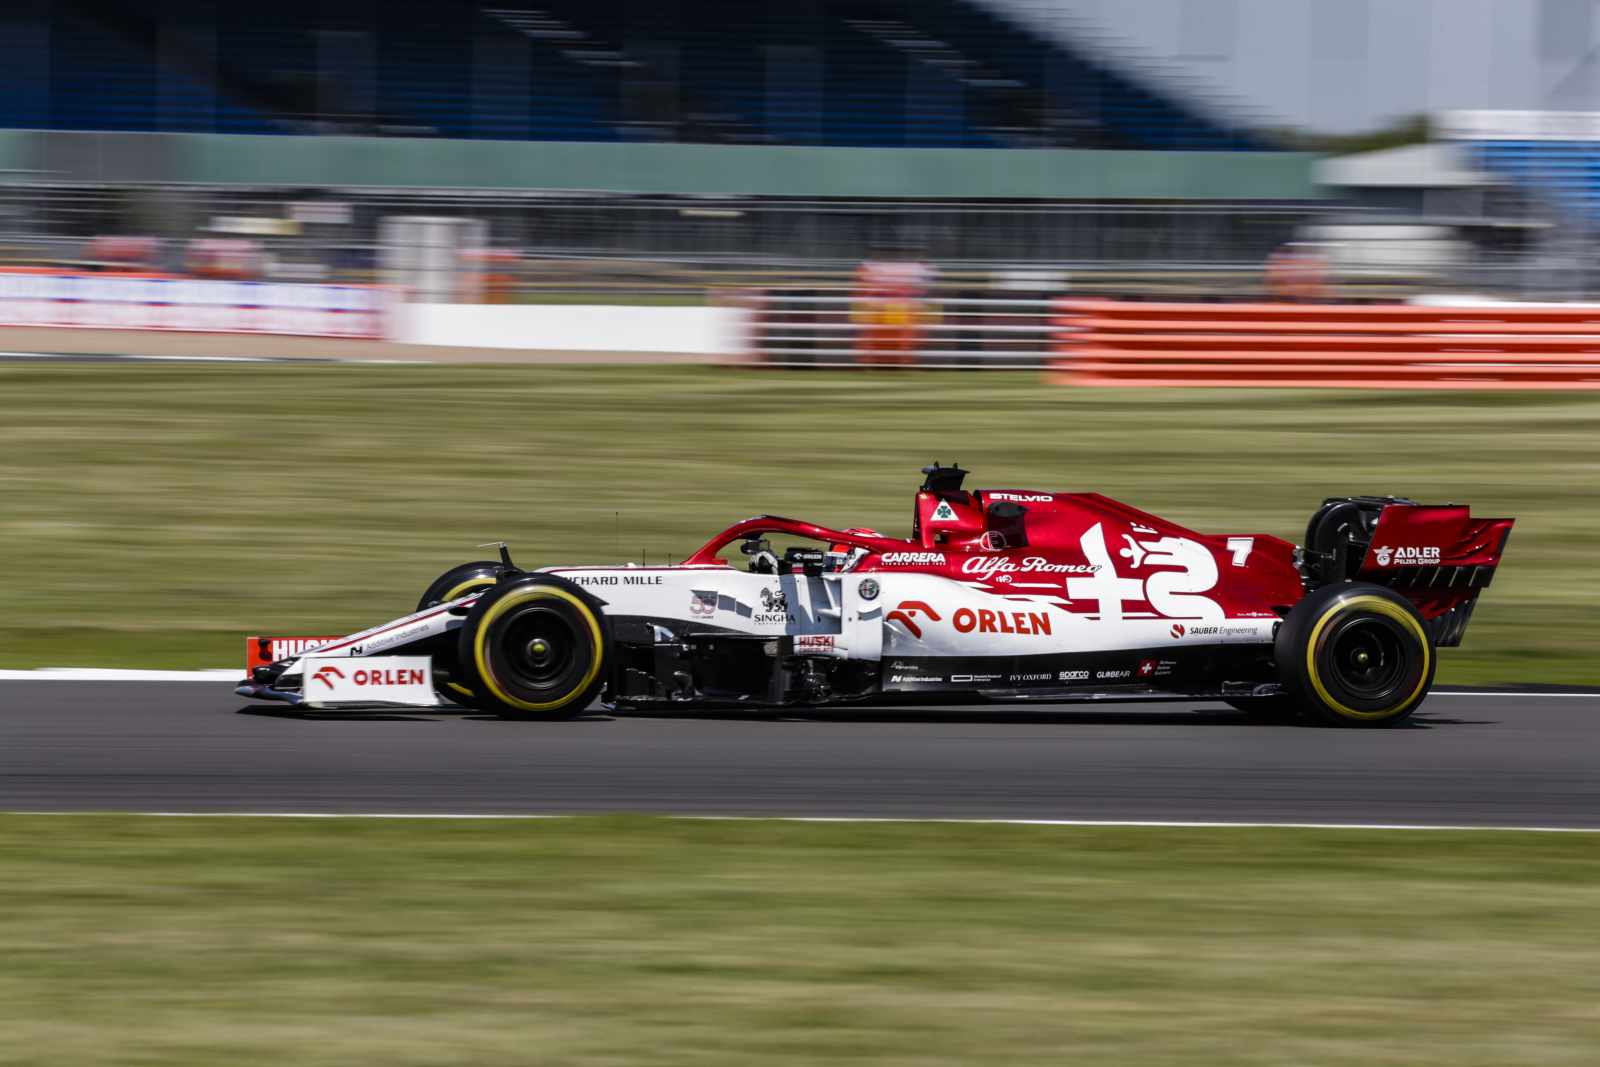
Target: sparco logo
{"type": "Point", "coordinates": [913, 557]}
{"type": "Point", "coordinates": [905, 613]}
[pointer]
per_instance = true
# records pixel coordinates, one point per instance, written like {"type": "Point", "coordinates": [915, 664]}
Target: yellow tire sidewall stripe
{"type": "Point", "coordinates": [1388, 609]}
{"type": "Point", "coordinates": [460, 590]}
{"type": "Point", "coordinates": [455, 592]}
{"type": "Point", "coordinates": [511, 600]}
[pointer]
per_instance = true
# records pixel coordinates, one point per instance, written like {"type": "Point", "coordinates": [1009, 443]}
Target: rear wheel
{"type": "Point", "coordinates": [1354, 654]}
{"type": "Point", "coordinates": [534, 647]}
{"type": "Point", "coordinates": [454, 584]}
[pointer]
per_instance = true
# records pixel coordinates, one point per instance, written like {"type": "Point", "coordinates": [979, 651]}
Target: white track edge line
{"type": "Point", "coordinates": [113, 674]}
{"type": "Point", "coordinates": [1507, 693]}
{"type": "Point", "coordinates": [1159, 824]}
{"type": "Point", "coordinates": [222, 674]}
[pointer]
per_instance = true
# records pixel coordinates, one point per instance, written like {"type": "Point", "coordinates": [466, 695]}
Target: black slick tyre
{"type": "Point", "coordinates": [1355, 654]}
{"type": "Point", "coordinates": [457, 582]}
{"type": "Point", "coordinates": [454, 584]}
{"type": "Point", "coordinates": [536, 647]}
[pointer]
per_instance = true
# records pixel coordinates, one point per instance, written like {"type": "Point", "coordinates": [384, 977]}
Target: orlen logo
{"type": "Point", "coordinates": [371, 675]}
{"type": "Point", "coordinates": [1177, 630]}
{"type": "Point", "coordinates": [326, 674]}
{"type": "Point", "coordinates": [906, 614]}
{"type": "Point", "coordinates": [390, 676]}
{"type": "Point", "coordinates": [965, 620]}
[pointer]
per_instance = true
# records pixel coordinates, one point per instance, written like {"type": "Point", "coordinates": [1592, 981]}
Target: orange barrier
{"type": "Point", "coordinates": [1367, 346]}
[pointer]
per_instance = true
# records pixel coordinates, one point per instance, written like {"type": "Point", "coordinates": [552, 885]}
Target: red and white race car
{"type": "Point", "coordinates": [998, 594]}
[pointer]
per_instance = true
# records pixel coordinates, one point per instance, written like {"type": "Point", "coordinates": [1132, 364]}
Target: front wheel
{"type": "Point", "coordinates": [534, 647]}
{"type": "Point", "coordinates": [1355, 654]}
{"type": "Point", "coordinates": [454, 584]}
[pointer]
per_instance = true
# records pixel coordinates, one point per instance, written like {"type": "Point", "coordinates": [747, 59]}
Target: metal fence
{"type": "Point", "coordinates": [949, 328]}
{"type": "Point", "coordinates": [556, 243]}
{"type": "Point", "coordinates": [546, 246]}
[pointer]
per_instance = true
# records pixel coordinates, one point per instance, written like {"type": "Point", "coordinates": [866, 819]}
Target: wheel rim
{"type": "Point", "coordinates": [1367, 657]}
{"type": "Point", "coordinates": [1368, 665]}
{"type": "Point", "coordinates": [539, 650]}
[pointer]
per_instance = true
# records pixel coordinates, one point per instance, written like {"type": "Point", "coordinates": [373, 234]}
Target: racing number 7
{"type": "Point", "coordinates": [1240, 547]}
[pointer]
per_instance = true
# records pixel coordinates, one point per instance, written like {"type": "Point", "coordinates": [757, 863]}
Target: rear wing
{"type": "Point", "coordinates": [1437, 555]}
{"type": "Point", "coordinates": [1435, 546]}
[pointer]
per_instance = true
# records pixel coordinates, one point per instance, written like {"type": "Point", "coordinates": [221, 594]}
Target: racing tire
{"type": "Point", "coordinates": [459, 581]}
{"type": "Point", "coordinates": [451, 585]}
{"type": "Point", "coordinates": [1355, 654]}
{"type": "Point", "coordinates": [534, 647]}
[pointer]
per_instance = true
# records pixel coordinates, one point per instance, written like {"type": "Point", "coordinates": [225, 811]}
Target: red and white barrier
{"type": "Point", "coordinates": [144, 302]}
{"type": "Point", "coordinates": [1363, 346]}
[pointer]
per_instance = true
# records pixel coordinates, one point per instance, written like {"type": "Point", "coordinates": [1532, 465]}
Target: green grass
{"type": "Point", "coordinates": [150, 515]}
{"type": "Point", "coordinates": [636, 941]}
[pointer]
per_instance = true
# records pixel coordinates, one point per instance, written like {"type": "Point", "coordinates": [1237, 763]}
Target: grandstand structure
{"type": "Point", "coordinates": [880, 73]}
{"type": "Point", "coordinates": [658, 147]}
{"type": "Point", "coordinates": [1550, 156]}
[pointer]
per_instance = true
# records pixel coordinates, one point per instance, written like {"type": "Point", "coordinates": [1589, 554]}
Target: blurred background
{"type": "Point", "coordinates": [1145, 193]}
{"type": "Point", "coordinates": [808, 152]}
{"type": "Point", "coordinates": [475, 199]}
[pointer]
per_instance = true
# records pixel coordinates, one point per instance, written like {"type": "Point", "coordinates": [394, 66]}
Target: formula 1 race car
{"type": "Point", "coordinates": [1001, 595]}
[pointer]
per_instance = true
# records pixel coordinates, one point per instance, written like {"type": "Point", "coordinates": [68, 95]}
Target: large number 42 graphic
{"type": "Point", "coordinates": [1174, 572]}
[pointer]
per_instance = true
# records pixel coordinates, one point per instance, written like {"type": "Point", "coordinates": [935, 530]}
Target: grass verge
{"type": "Point", "coordinates": [637, 941]}
{"type": "Point", "coordinates": [153, 514]}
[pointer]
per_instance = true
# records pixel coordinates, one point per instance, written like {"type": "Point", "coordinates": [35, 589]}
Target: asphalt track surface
{"type": "Point", "coordinates": [1495, 760]}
